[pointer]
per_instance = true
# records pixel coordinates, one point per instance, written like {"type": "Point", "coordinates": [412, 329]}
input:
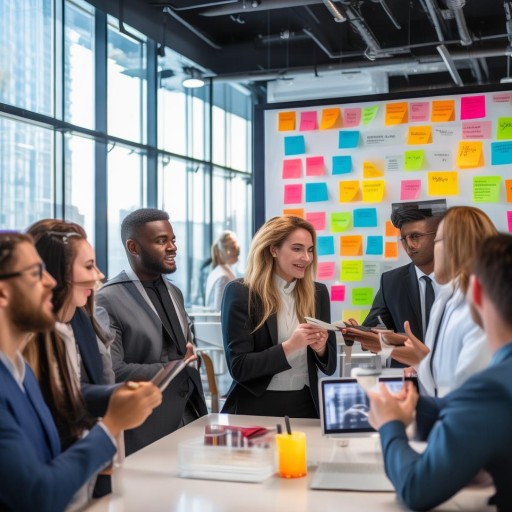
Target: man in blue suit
{"type": "Point", "coordinates": [468, 430]}
{"type": "Point", "coordinates": [34, 474]}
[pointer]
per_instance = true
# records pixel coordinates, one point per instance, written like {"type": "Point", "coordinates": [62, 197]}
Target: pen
{"type": "Point", "coordinates": [381, 323]}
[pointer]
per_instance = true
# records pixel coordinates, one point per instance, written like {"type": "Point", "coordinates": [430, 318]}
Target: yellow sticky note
{"type": "Point", "coordinates": [443, 183]}
{"type": "Point", "coordinates": [442, 111]}
{"type": "Point", "coordinates": [359, 315]}
{"type": "Point", "coordinates": [340, 221]}
{"type": "Point", "coordinates": [286, 121]}
{"type": "Point", "coordinates": [331, 118]}
{"type": "Point", "coordinates": [373, 191]}
{"type": "Point", "coordinates": [370, 170]}
{"type": "Point", "coordinates": [348, 191]}
{"type": "Point", "coordinates": [391, 250]}
{"type": "Point", "coordinates": [413, 160]}
{"type": "Point", "coordinates": [470, 154]}
{"type": "Point", "coordinates": [391, 230]}
{"type": "Point", "coordinates": [351, 270]}
{"type": "Point", "coordinates": [396, 113]}
{"type": "Point", "coordinates": [294, 212]}
{"type": "Point", "coordinates": [419, 135]}
{"type": "Point", "coordinates": [351, 245]}
{"type": "Point", "coordinates": [508, 188]}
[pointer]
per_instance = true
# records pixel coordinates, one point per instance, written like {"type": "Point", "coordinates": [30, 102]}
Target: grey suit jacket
{"type": "Point", "coordinates": [138, 354]}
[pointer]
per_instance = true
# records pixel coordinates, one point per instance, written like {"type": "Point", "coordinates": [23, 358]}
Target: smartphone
{"type": "Point", "coordinates": [414, 380]}
{"type": "Point", "coordinates": [360, 328]}
{"type": "Point", "coordinates": [394, 384]}
{"type": "Point", "coordinates": [164, 377]}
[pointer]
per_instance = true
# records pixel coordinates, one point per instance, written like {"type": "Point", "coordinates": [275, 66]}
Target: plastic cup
{"type": "Point", "coordinates": [291, 454]}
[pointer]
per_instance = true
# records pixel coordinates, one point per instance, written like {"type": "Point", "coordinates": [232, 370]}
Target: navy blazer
{"type": "Point", "coordinates": [253, 358]}
{"type": "Point", "coordinates": [33, 472]}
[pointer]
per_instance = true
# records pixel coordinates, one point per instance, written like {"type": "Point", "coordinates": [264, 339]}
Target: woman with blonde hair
{"type": "Point", "coordinates": [272, 354]}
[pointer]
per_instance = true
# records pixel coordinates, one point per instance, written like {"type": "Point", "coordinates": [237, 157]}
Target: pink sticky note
{"type": "Point", "coordinates": [419, 111]}
{"type": "Point", "coordinates": [292, 168]}
{"type": "Point", "coordinates": [509, 220]}
{"type": "Point", "coordinates": [502, 97]}
{"type": "Point", "coordinates": [476, 130]}
{"type": "Point", "coordinates": [325, 270]}
{"type": "Point", "coordinates": [308, 121]}
{"type": "Point", "coordinates": [338, 293]}
{"type": "Point", "coordinates": [410, 190]}
{"type": "Point", "coordinates": [292, 194]}
{"type": "Point", "coordinates": [315, 166]}
{"type": "Point", "coordinates": [472, 107]}
{"type": "Point", "coordinates": [351, 117]}
{"type": "Point", "coordinates": [317, 219]}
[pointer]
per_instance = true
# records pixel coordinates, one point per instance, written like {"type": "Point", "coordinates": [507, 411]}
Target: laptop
{"type": "Point", "coordinates": [344, 409]}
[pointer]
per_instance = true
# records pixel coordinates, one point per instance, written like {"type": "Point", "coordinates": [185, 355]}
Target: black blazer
{"type": "Point", "coordinates": [254, 358]}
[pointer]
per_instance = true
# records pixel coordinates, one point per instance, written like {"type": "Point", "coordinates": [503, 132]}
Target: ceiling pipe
{"type": "Point", "coordinates": [387, 10]}
{"type": "Point", "coordinates": [264, 5]}
{"type": "Point", "coordinates": [335, 11]}
{"type": "Point", "coordinates": [358, 23]}
{"type": "Point", "coordinates": [456, 7]}
{"type": "Point", "coordinates": [435, 17]}
{"type": "Point", "coordinates": [450, 64]}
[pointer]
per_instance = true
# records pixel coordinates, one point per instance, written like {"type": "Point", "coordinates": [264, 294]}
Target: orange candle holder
{"type": "Point", "coordinates": [291, 454]}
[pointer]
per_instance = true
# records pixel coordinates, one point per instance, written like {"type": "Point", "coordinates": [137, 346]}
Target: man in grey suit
{"type": "Point", "coordinates": [151, 327]}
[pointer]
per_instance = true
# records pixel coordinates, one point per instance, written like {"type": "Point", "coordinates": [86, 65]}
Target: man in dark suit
{"type": "Point", "coordinates": [469, 429]}
{"type": "Point", "coordinates": [151, 327]}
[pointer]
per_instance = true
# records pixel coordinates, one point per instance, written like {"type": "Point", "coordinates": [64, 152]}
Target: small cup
{"type": "Point", "coordinates": [291, 454]}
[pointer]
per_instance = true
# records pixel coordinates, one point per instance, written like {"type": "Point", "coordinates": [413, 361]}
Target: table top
{"type": "Point", "coordinates": [148, 480]}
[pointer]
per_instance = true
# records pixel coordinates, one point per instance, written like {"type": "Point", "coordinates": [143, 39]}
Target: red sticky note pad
{"type": "Point", "coordinates": [338, 293]}
{"type": "Point", "coordinates": [292, 168]}
{"type": "Point", "coordinates": [308, 121]}
{"type": "Point", "coordinates": [293, 194]}
{"type": "Point", "coordinates": [325, 270]}
{"type": "Point", "coordinates": [315, 166]}
{"type": "Point", "coordinates": [317, 219]}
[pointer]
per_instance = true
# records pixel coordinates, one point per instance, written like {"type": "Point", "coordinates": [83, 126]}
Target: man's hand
{"type": "Point", "coordinates": [413, 350]}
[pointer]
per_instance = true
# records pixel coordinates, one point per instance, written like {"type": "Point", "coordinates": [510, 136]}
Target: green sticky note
{"type": "Point", "coordinates": [504, 128]}
{"type": "Point", "coordinates": [369, 114]}
{"type": "Point", "coordinates": [351, 270]}
{"type": "Point", "coordinates": [413, 160]}
{"type": "Point", "coordinates": [340, 222]}
{"type": "Point", "coordinates": [486, 189]}
{"type": "Point", "coordinates": [362, 296]}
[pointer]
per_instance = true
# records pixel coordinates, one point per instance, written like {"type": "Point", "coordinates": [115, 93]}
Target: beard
{"type": "Point", "coordinates": [29, 317]}
{"type": "Point", "coordinates": [152, 264]}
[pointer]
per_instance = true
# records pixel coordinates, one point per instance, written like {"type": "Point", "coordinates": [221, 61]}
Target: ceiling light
{"type": "Point", "coordinates": [193, 80]}
{"type": "Point", "coordinates": [450, 64]}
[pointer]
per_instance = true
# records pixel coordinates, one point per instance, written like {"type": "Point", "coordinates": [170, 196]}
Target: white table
{"type": "Point", "coordinates": [148, 481]}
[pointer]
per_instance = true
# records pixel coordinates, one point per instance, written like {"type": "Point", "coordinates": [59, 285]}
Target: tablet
{"type": "Point", "coordinates": [164, 377]}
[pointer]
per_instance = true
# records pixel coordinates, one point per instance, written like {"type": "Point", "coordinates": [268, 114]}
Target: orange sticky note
{"type": "Point", "coordinates": [286, 121]}
{"type": "Point", "coordinates": [348, 190]}
{"type": "Point", "coordinates": [442, 111]}
{"type": "Point", "coordinates": [443, 183]}
{"type": "Point", "coordinates": [370, 170]}
{"type": "Point", "coordinates": [470, 154]}
{"type": "Point", "coordinates": [373, 191]}
{"type": "Point", "coordinates": [391, 230]}
{"type": "Point", "coordinates": [396, 113]}
{"type": "Point", "coordinates": [351, 245]}
{"type": "Point", "coordinates": [508, 188]}
{"type": "Point", "coordinates": [391, 250]}
{"type": "Point", "coordinates": [331, 118]}
{"type": "Point", "coordinates": [294, 212]}
{"type": "Point", "coordinates": [419, 135]}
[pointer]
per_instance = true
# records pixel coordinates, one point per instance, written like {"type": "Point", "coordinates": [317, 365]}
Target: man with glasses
{"type": "Point", "coordinates": [34, 474]}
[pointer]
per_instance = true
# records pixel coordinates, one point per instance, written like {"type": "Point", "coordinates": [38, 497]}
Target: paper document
{"type": "Point", "coordinates": [335, 326]}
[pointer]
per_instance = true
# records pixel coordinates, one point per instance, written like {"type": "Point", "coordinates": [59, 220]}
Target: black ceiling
{"type": "Point", "coordinates": [262, 38]}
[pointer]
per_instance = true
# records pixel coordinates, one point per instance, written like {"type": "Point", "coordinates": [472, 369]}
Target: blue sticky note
{"type": "Point", "coordinates": [501, 153]}
{"type": "Point", "coordinates": [348, 139]}
{"type": "Point", "coordinates": [374, 245]}
{"type": "Point", "coordinates": [365, 218]}
{"type": "Point", "coordinates": [294, 145]}
{"type": "Point", "coordinates": [341, 164]}
{"type": "Point", "coordinates": [316, 192]}
{"type": "Point", "coordinates": [325, 245]}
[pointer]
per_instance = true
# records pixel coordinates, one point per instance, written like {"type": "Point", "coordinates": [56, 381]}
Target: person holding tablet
{"type": "Point", "coordinates": [272, 354]}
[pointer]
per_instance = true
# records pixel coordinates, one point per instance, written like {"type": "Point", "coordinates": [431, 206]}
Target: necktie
{"type": "Point", "coordinates": [429, 298]}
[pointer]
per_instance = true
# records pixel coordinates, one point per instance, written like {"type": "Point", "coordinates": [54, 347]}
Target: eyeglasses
{"type": "Point", "coordinates": [414, 238]}
{"type": "Point", "coordinates": [38, 269]}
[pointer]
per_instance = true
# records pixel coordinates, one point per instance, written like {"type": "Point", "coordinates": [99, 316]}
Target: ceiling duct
{"type": "Point", "coordinates": [456, 7]}
{"type": "Point", "coordinates": [338, 16]}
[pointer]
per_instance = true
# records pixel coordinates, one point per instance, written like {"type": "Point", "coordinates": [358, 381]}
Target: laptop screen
{"type": "Point", "coordinates": [344, 406]}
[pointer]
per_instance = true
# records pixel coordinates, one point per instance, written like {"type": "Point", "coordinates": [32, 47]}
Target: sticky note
{"type": "Point", "coordinates": [413, 160]}
{"type": "Point", "coordinates": [325, 270]}
{"type": "Point", "coordinates": [371, 170]}
{"type": "Point", "coordinates": [316, 192]}
{"type": "Point", "coordinates": [331, 118]}
{"type": "Point", "coordinates": [391, 230]}
{"type": "Point", "coordinates": [374, 245]}
{"type": "Point", "coordinates": [295, 145]}
{"type": "Point", "coordinates": [476, 129]}
{"type": "Point", "coordinates": [501, 153]}
{"type": "Point", "coordinates": [292, 168]}
{"type": "Point", "coordinates": [486, 189]}
{"type": "Point", "coordinates": [351, 117]}
{"type": "Point", "coordinates": [325, 245]}
{"type": "Point", "coordinates": [396, 113]}
{"type": "Point", "coordinates": [502, 97]}
{"type": "Point", "coordinates": [410, 190]}
{"type": "Point", "coordinates": [337, 293]}
{"type": "Point", "coordinates": [440, 160]}
{"type": "Point", "coordinates": [308, 121]}
{"type": "Point", "coordinates": [348, 191]}
{"type": "Point", "coordinates": [393, 162]}
{"type": "Point", "coordinates": [472, 107]}
{"type": "Point", "coordinates": [509, 221]}
{"type": "Point", "coordinates": [286, 121]}
{"type": "Point", "coordinates": [341, 164]}
{"type": "Point", "coordinates": [351, 270]}
{"type": "Point", "coordinates": [340, 221]}
{"type": "Point", "coordinates": [443, 183]}
{"type": "Point", "coordinates": [348, 139]}
{"type": "Point", "coordinates": [508, 189]}
{"type": "Point", "coordinates": [442, 111]}
{"type": "Point", "coordinates": [419, 111]}
{"type": "Point", "coordinates": [316, 219]}
{"type": "Point", "coordinates": [387, 137]}
{"type": "Point", "coordinates": [445, 134]}
{"type": "Point", "coordinates": [470, 154]}
{"type": "Point", "coordinates": [419, 135]}
{"type": "Point", "coordinates": [293, 193]}
{"type": "Point", "coordinates": [365, 217]}
{"type": "Point", "coordinates": [373, 191]}
{"type": "Point", "coordinates": [362, 296]}
{"type": "Point", "coordinates": [358, 315]}
{"type": "Point", "coordinates": [315, 166]}
{"type": "Point", "coordinates": [351, 245]}
{"type": "Point", "coordinates": [294, 212]}
{"type": "Point", "coordinates": [391, 250]}
{"type": "Point", "coordinates": [504, 128]}
{"type": "Point", "coordinates": [371, 268]}
{"type": "Point", "coordinates": [369, 114]}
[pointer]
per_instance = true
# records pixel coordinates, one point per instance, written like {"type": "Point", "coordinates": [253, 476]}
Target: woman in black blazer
{"type": "Point", "coordinates": [272, 354]}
